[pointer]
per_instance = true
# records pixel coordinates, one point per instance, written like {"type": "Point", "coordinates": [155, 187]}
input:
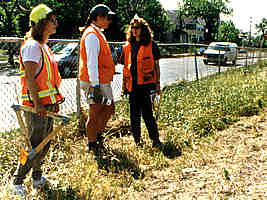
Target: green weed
{"type": "Point", "coordinates": [190, 114]}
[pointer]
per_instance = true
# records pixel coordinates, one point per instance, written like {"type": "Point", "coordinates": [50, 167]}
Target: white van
{"type": "Point", "coordinates": [220, 53]}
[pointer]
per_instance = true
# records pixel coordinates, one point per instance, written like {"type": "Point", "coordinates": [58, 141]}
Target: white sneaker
{"type": "Point", "coordinates": [38, 183]}
{"type": "Point", "coordinates": [18, 190]}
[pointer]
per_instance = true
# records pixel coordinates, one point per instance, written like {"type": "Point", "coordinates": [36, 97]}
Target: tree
{"type": "Point", "coordinates": [14, 18]}
{"type": "Point", "coordinates": [9, 10]}
{"type": "Point", "coordinates": [261, 27]}
{"type": "Point", "coordinates": [151, 11]}
{"type": "Point", "coordinates": [228, 32]}
{"type": "Point", "coordinates": [209, 11]}
{"type": "Point", "coordinates": [70, 15]}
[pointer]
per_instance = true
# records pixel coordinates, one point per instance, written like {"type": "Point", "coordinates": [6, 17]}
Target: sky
{"type": "Point", "coordinates": [245, 12]}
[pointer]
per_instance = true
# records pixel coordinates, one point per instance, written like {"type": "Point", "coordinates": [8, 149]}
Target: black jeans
{"type": "Point", "coordinates": [140, 105]}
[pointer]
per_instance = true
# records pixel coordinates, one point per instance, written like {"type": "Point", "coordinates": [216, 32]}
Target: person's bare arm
{"type": "Point", "coordinates": [30, 70]}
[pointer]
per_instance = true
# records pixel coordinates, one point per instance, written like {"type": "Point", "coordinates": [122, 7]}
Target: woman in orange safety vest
{"type": "Point", "coordinates": [96, 70]}
{"type": "Point", "coordinates": [141, 75]}
{"type": "Point", "coordinates": [40, 81]}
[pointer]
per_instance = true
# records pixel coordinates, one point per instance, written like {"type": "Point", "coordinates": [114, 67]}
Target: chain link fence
{"type": "Point", "coordinates": [180, 61]}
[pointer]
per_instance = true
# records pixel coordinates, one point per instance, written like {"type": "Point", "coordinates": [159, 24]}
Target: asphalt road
{"type": "Point", "coordinates": [172, 70]}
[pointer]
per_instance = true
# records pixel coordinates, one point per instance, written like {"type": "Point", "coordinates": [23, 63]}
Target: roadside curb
{"type": "Point", "coordinates": [3, 63]}
{"type": "Point", "coordinates": [180, 55]}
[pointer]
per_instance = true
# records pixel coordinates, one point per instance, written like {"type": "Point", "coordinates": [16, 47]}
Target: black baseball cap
{"type": "Point", "coordinates": [101, 10]}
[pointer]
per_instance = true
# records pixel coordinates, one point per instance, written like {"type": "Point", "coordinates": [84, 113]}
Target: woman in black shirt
{"type": "Point", "coordinates": [141, 75]}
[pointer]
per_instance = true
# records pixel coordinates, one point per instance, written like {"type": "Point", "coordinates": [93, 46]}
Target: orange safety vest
{"type": "Point", "coordinates": [106, 67]}
{"type": "Point", "coordinates": [145, 66]}
{"type": "Point", "coordinates": [47, 81]}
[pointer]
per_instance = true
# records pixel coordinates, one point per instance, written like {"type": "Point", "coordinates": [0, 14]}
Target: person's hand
{"type": "Point", "coordinates": [56, 108]}
{"type": "Point", "coordinates": [123, 92]}
{"type": "Point", "coordinates": [158, 90]}
{"type": "Point", "coordinates": [97, 94]}
{"type": "Point", "coordinates": [40, 109]}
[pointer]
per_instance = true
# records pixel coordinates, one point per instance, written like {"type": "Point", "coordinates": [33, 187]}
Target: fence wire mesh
{"type": "Point", "coordinates": [180, 61]}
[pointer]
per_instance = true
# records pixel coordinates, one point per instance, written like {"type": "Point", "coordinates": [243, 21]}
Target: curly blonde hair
{"type": "Point", "coordinates": [146, 32]}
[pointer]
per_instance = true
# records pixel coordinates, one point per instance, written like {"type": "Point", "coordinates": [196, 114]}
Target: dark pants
{"type": "Point", "coordinates": [140, 104]}
{"type": "Point", "coordinates": [38, 128]}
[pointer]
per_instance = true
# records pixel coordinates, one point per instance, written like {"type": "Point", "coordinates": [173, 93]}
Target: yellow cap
{"type": "Point", "coordinates": [39, 12]}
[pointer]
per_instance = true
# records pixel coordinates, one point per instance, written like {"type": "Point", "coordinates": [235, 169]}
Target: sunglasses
{"type": "Point", "coordinates": [135, 27]}
{"type": "Point", "coordinates": [54, 21]}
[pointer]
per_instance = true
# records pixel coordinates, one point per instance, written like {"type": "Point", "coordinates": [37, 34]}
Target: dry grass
{"type": "Point", "coordinates": [229, 164]}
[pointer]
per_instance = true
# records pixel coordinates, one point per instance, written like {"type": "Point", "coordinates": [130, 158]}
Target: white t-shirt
{"type": "Point", "coordinates": [31, 51]}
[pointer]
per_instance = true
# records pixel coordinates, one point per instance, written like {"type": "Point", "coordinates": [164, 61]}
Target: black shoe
{"type": "Point", "coordinates": [100, 139]}
{"type": "Point", "coordinates": [139, 144]}
{"type": "Point", "coordinates": [137, 141]}
{"type": "Point", "coordinates": [156, 144]}
{"type": "Point", "coordinates": [92, 146]}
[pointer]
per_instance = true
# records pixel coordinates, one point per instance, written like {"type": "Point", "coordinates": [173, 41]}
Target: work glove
{"type": "Point", "coordinates": [124, 92]}
{"type": "Point", "coordinates": [97, 94]}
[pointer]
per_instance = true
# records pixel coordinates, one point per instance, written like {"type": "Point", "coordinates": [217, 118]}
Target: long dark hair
{"type": "Point", "coordinates": [90, 19]}
{"type": "Point", "coordinates": [146, 32]}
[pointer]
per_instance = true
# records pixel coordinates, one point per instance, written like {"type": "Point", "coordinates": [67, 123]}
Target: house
{"type": "Point", "coordinates": [186, 29]}
{"type": "Point", "coordinates": [195, 29]}
{"type": "Point", "coordinates": [177, 34]}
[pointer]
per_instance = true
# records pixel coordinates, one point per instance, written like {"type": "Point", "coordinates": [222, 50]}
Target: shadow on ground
{"type": "Point", "coordinates": [170, 150]}
{"type": "Point", "coordinates": [59, 193]}
{"type": "Point", "coordinates": [116, 161]}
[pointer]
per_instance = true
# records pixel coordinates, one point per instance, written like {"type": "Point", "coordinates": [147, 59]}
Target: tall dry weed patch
{"type": "Point", "coordinates": [190, 113]}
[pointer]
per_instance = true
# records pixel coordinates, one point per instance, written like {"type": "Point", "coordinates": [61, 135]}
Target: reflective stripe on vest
{"type": "Point", "coordinates": [42, 94]}
{"type": "Point", "coordinates": [46, 79]}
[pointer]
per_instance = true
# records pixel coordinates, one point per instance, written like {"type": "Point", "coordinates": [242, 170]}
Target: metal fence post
{"type": "Point", "coordinates": [253, 56]}
{"type": "Point", "coordinates": [78, 98]}
{"type": "Point", "coordinates": [236, 54]}
{"type": "Point", "coordinates": [219, 58]}
{"type": "Point", "coordinates": [246, 58]}
{"type": "Point", "coordinates": [196, 63]}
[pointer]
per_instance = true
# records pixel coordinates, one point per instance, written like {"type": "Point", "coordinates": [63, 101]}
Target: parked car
{"type": "Point", "coordinates": [243, 51]}
{"type": "Point", "coordinates": [67, 57]}
{"type": "Point", "coordinates": [220, 53]}
{"type": "Point", "coordinates": [200, 51]}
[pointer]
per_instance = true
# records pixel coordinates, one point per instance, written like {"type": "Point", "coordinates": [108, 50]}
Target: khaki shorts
{"type": "Point", "coordinates": [106, 90]}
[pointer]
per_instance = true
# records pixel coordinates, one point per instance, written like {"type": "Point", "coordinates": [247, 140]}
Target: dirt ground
{"type": "Point", "coordinates": [234, 168]}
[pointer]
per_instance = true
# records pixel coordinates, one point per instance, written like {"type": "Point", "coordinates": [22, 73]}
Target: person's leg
{"type": "Point", "coordinates": [105, 113]}
{"type": "Point", "coordinates": [37, 130]}
{"type": "Point", "coordinates": [149, 120]}
{"type": "Point", "coordinates": [107, 110]}
{"type": "Point", "coordinates": [135, 117]}
{"type": "Point", "coordinates": [93, 124]}
{"type": "Point", "coordinates": [99, 116]}
{"type": "Point", "coordinates": [47, 129]}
